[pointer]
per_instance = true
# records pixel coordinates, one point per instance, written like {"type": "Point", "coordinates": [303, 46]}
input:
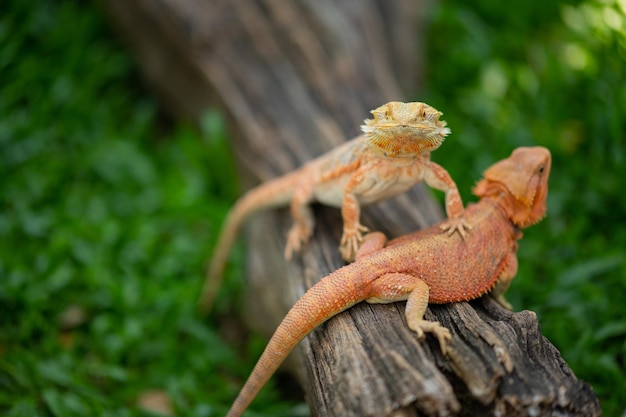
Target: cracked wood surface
{"type": "Point", "coordinates": [295, 79]}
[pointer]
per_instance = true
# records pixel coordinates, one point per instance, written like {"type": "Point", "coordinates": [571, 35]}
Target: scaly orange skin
{"type": "Point", "coordinates": [425, 266]}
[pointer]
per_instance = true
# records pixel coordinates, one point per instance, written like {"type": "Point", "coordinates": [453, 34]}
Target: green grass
{"type": "Point", "coordinates": [107, 209]}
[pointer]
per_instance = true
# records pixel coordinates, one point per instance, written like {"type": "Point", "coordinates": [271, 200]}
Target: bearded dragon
{"type": "Point", "coordinates": [391, 156]}
{"type": "Point", "coordinates": [424, 267]}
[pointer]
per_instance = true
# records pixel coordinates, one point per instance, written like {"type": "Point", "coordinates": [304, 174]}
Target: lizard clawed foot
{"type": "Point", "coordinates": [456, 225]}
{"type": "Point", "coordinates": [441, 333]}
{"type": "Point", "coordinates": [351, 241]}
{"type": "Point", "coordinates": [298, 235]}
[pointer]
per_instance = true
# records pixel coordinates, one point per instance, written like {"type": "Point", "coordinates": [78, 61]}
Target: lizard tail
{"type": "Point", "coordinates": [275, 193]}
{"type": "Point", "coordinates": [324, 300]}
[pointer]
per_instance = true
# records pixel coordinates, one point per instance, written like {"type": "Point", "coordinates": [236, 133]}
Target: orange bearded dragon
{"type": "Point", "coordinates": [391, 156]}
{"type": "Point", "coordinates": [425, 266]}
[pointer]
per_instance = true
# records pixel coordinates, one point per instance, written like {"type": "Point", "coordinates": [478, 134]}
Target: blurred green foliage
{"type": "Point", "coordinates": [105, 207]}
{"type": "Point", "coordinates": [105, 213]}
{"type": "Point", "coordinates": [549, 73]}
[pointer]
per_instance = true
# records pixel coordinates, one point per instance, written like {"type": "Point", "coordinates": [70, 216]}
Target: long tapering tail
{"type": "Point", "coordinates": [324, 300]}
{"type": "Point", "coordinates": [274, 193]}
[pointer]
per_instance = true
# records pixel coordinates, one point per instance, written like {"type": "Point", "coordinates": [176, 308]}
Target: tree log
{"type": "Point", "coordinates": [296, 79]}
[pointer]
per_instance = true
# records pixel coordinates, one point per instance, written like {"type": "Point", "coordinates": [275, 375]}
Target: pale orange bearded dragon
{"type": "Point", "coordinates": [424, 267]}
{"type": "Point", "coordinates": [391, 156]}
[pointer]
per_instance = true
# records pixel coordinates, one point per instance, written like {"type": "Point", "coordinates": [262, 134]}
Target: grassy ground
{"type": "Point", "coordinates": [105, 207]}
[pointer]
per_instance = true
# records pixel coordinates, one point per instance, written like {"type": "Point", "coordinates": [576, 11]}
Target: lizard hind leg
{"type": "Point", "coordinates": [415, 308]}
{"type": "Point", "coordinates": [304, 222]}
{"type": "Point", "coordinates": [399, 286]}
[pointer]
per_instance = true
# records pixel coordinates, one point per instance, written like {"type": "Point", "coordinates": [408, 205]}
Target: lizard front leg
{"type": "Point", "coordinates": [505, 279]}
{"type": "Point", "coordinates": [303, 219]}
{"type": "Point", "coordinates": [372, 242]}
{"type": "Point", "coordinates": [351, 212]}
{"type": "Point", "coordinates": [437, 177]}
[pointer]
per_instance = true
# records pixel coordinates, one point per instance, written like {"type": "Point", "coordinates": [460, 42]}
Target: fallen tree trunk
{"type": "Point", "coordinates": [296, 79]}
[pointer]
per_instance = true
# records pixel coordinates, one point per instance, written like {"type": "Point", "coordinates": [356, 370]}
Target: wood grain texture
{"type": "Point", "coordinates": [295, 79]}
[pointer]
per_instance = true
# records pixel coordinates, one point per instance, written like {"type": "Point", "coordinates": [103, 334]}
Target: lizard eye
{"type": "Point", "coordinates": [424, 114]}
{"type": "Point", "coordinates": [541, 169]}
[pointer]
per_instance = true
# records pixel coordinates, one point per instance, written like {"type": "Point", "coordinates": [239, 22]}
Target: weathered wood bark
{"type": "Point", "coordinates": [297, 78]}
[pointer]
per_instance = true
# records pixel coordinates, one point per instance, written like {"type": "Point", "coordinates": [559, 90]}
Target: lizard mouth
{"type": "Point", "coordinates": [439, 128]}
{"type": "Point", "coordinates": [406, 140]}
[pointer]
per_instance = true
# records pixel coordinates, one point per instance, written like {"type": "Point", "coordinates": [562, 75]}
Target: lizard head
{"type": "Point", "coordinates": [405, 129]}
{"type": "Point", "coordinates": [522, 181]}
